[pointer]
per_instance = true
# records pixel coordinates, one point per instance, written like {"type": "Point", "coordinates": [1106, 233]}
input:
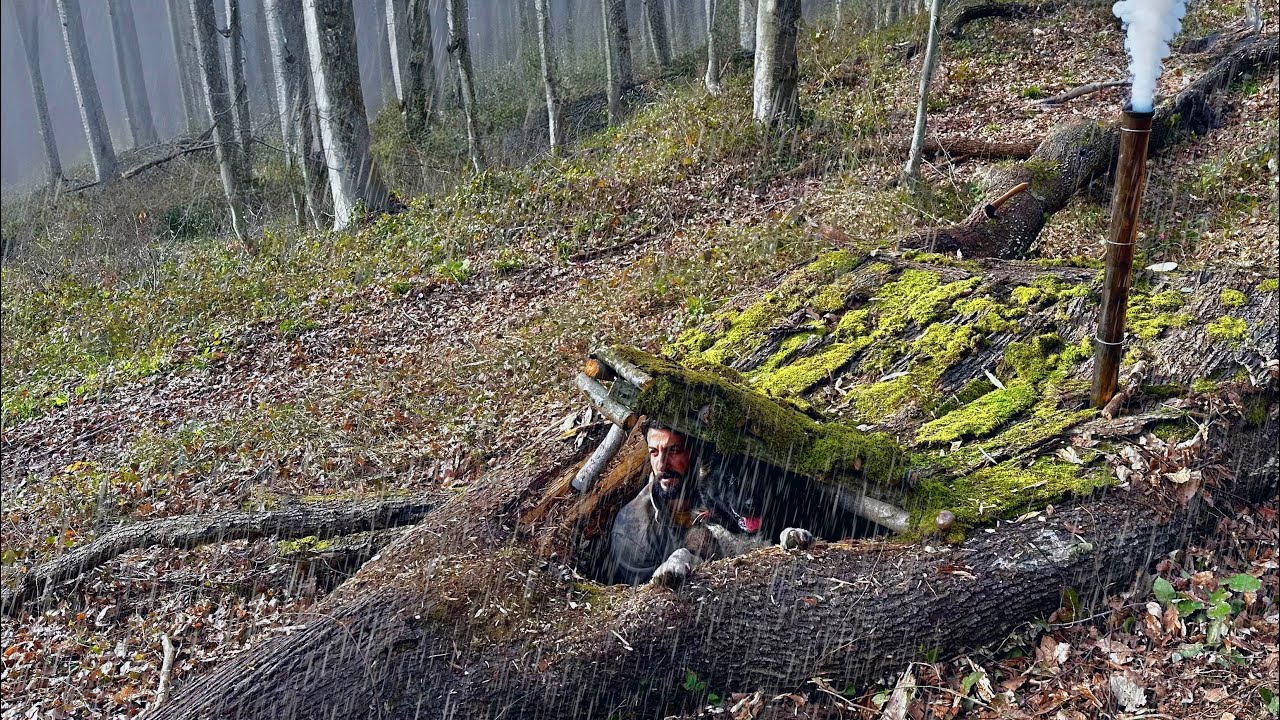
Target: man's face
{"type": "Point", "coordinates": [670, 457]}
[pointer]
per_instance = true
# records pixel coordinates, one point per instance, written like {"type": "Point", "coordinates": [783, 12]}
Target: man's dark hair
{"type": "Point", "coordinates": [655, 424]}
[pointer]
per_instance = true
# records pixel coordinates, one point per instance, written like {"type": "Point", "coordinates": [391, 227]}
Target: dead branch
{"type": "Point", "coordinates": [1008, 11]}
{"type": "Point", "coordinates": [1083, 90]}
{"type": "Point", "coordinates": [324, 520]}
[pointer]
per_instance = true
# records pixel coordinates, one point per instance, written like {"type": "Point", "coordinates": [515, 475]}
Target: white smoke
{"type": "Point", "coordinates": [1149, 26]}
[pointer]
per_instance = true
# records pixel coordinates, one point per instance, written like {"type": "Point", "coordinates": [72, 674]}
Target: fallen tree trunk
{"type": "Point", "coordinates": [846, 611]}
{"type": "Point", "coordinates": [322, 520]}
{"type": "Point", "coordinates": [472, 616]}
{"type": "Point", "coordinates": [1078, 152]}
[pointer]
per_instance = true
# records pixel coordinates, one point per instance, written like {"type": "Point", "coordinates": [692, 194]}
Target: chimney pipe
{"type": "Point", "coordinates": [1135, 131]}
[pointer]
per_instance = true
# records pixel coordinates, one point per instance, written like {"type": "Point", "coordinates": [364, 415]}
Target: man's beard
{"type": "Point", "coordinates": [672, 492]}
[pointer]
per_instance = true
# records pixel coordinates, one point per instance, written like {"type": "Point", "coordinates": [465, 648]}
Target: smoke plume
{"type": "Point", "coordinates": [1149, 26]}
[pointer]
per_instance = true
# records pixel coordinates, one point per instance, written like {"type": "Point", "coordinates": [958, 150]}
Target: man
{"type": "Point", "coordinates": [653, 525]}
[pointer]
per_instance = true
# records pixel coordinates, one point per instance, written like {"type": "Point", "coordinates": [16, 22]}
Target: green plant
{"type": "Point", "coordinates": [1033, 92]}
{"type": "Point", "coordinates": [457, 270]}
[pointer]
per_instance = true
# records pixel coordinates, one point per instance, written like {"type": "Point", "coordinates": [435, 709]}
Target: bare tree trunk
{"type": "Point", "coordinates": [230, 159]}
{"type": "Point", "coordinates": [747, 26]}
{"type": "Point", "coordinates": [617, 55]}
{"type": "Point", "coordinates": [713, 59]}
{"type": "Point", "coordinates": [460, 47]}
{"type": "Point", "coordinates": [655, 15]}
{"type": "Point", "coordinates": [911, 172]}
{"type": "Point", "coordinates": [101, 151]}
{"type": "Point", "coordinates": [353, 177]}
{"type": "Point", "coordinates": [292, 69]}
{"type": "Point", "coordinates": [775, 99]}
{"type": "Point", "coordinates": [262, 57]}
{"type": "Point", "coordinates": [124, 36]}
{"type": "Point", "coordinates": [399, 45]}
{"type": "Point", "coordinates": [194, 112]}
{"type": "Point", "coordinates": [239, 88]}
{"type": "Point", "coordinates": [386, 63]}
{"type": "Point", "coordinates": [420, 73]}
{"type": "Point", "coordinates": [29, 34]}
{"type": "Point", "coordinates": [619, 35]}
{"type": "Point", "coordinates": [548, 73]}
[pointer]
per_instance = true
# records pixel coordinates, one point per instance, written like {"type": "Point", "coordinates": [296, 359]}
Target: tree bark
{"type": "Point", "coordinates": [617, 49]}
{"type": "Point", "coordinates": [101, 152]}
{"type": "Point", "coordinates": [1077, 152]}
{"type": "Point", "coordinates": [323, 520]}
{"type": "Point", "coordinates": [353, 176]}
{"type": "Point", "coordinates": [655, 20]}
{"type": "Point", "coordinates": [261, 48]}
{"type": "Point", "coordinates": [712, 79]}
{"type": "Point", "coordinates": [775, 96]}
{"type": "Point", "coordinates": [239, 87]}
{"type": "Point", "coordinates": [398, 29]}
{"type": "Point", "coordinates": [29, 34]}
{"type": "Point", "coordinates": [195, 113]}
{"type": "Point", "coordinates": [420, 78]}
{"type": "Point", "coordinates": [124, 36]}
{"type": "Point", "coordinates": [228, 150]}
{"type": "Point", "coordinates": [747, 26]}
{"type": "Point", "coordinates": [460, 48]}
{"type": "Point", "coordinates": [291, 64]}
{"type": "Point", "coordinates": [543, 19]}
{"type": "Point", "coordinates": [911, 171]}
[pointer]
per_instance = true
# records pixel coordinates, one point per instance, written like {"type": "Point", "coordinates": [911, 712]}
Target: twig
{"type": "Point", "coordinates": [166, 675]}
{"type": "Point", "coordinates": [1074, 93]}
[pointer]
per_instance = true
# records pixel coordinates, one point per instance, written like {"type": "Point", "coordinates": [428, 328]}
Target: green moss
{"type": "Point", "coordinates": [1046, 290]}
{"type": "Point", "coordinates": [1167, 301]}
{"type": "Point", "coordinates": [980, 417]}
{"type": "Point", "coordinates": [808, 371]}
{"type": "Point", "coordinates": [1148, 315]}
{"type": "Point", "coordinates": [1269, 285]}
{"type": "Point", "coordinates": [936, 350]}
{"type": "Point", "coordinates": [745, 421]}
{"type": "Point", "coordinates": [988, 315]}
{"type": "Point", "coordinates": [1204, 385]}
{"type": "Point", "coordinates": [1228, 329]}
{"type": "Point", "coordinates": [1032, 361]}
{"type": "Point", "coordinates": [1174, 431]}
{"type": "Point", "coordinates": [1004, 491]}
{"type": "Point", "coordinates": [826, 281]}
{"type": "Point", "coordinates": [1233, 298]}
{"type": "Point", "coordinates": [308, 544]}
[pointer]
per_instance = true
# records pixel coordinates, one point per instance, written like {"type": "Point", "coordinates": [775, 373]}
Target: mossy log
{"type": "Point", "coordinates": [474, 615]}
{"type": "Point", "coordinates": [1078, 152]}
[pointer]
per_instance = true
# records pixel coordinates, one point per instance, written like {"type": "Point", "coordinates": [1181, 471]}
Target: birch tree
{"type": "Point", "coordinates": [101, 152]}
{"type": "Point", "coordinates": [291, 68]}
{"type": "Point", "coordinates": [712, 78]}
{"type": "Point", "coordinates": [29, 34]}
{"type": "Point", "coordinates": [655, 20]}
{"type": "Point", "coordinates": [419, 103]}
{"type": "Point", "coordinates": [226, 148]}
{"type": "Point", "coordinates": [261, 54]}
{"type": "Point", "coordinates": [747, 26]}
{"type": "Point", "coordinates": [911, 171]}
{"type": "Point", "coordinates": [398, 29]}
{"type": "Point", "coordinates": [543, 20]}
{"type": "Point", "coordinates": [193, 110]}
{"type": "Point", "coordinates": [775, 96]}
{"type": "Point", "coordinates": [460, 48]}
{"type": "Point", "coordinates": [235, 70]}
{"type": "Point", "coordinates": [124, 36]}
{"type": "Point", "coordinates": [335, 73]}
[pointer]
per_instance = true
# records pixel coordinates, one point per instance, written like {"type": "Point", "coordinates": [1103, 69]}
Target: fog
{"type": "Point", "coordinates": [495, 37]}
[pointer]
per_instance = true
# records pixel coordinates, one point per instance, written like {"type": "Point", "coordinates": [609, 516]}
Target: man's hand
{"type": "Point", "coordinates": [672, 572]}
{"type": "Point", "coordinates": [795, 539]}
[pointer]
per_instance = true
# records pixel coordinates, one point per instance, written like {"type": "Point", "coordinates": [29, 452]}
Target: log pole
{"type": "Point", "coordinates": [615, 411]}
{"type": "Point", "coordinates": [1135, 131]}
{"type": "Point", "coordinates": [586, 477]}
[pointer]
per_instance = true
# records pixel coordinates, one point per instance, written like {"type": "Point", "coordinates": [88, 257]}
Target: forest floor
{"type": "Point", "coordinates": [410, 354]}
